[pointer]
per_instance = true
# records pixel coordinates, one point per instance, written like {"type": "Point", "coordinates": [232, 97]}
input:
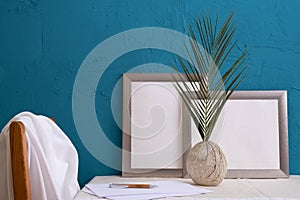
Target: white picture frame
{"type": "Point", "coordinates": [161, 158]}
{"type": "Point", "coordinates": [254, 134]}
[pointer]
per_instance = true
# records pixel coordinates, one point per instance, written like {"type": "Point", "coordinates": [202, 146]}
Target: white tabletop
{"type": "Point", "coordinates": [265, 189]}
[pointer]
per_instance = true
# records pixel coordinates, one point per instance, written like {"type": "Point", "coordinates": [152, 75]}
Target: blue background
{"type": "Point", "coordinates": [43, 43]}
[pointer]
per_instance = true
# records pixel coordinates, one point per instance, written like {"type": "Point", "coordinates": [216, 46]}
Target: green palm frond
{"type": "Point", "coordinates": [203, 90]}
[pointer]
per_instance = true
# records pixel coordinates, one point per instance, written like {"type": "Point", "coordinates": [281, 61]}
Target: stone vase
{"type": "Point", "coordinates": [206, 164]}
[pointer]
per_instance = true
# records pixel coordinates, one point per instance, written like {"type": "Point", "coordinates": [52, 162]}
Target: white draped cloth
{"type": "Point", "coordinates": [52, 160]}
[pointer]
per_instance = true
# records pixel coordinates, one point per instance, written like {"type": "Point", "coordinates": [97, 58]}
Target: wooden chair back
{"type": "Point", "coordinates": [19, 161]}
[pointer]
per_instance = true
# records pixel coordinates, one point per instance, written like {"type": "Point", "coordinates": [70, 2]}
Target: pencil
{"type": "Point", "coordinates": [130, 185]}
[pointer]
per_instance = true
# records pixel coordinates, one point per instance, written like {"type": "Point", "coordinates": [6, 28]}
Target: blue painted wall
{"type": "Point", "coordinates": [43, 43]}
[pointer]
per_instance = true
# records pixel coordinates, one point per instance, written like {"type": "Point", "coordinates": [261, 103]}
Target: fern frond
{"type": "Point", "coordinates": [202, 88]}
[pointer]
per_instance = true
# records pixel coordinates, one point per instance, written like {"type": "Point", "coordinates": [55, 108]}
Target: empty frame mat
{"type": "Point", "coordinates": [155, 126]}
{"type": "Point", "coordinates": [152, 137]}
{"type": "Point", "coordinates": [252, 132]}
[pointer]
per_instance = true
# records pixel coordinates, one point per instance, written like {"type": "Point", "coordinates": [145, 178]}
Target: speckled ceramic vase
{"type": "Point", "coordinates": [206, 164]}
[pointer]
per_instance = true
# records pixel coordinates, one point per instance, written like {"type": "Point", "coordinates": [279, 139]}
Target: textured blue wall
{"type": "Point", "coordinates": [43, 44]}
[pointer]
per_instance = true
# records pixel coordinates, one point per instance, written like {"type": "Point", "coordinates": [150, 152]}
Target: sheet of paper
{"type": "Point", "coordinates": [88, 191]}
{"type": "Point", "coordinates": [146, 196]}
{"type": "Point", "coordinates": [163, 189]}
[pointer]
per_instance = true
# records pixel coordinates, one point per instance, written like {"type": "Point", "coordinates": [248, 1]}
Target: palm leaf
{"type": "Point", "coordinates": [203, 90]}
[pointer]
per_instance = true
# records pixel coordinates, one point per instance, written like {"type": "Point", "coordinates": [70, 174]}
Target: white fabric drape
{"type": "Point", "coordinates": [52, 160]}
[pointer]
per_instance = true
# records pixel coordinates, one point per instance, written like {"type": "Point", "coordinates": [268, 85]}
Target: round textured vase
{"type": "Point", "coordinates": [206, 164]}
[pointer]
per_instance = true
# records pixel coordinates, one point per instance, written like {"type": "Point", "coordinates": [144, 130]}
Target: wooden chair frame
{"type": "Point", "coordinates": [19, 161]}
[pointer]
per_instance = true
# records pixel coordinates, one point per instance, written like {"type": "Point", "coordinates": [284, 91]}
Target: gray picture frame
{"type": "Point", "coordinates": [283, 171]}
{"type": "Point", "coordinates": [127, 171]}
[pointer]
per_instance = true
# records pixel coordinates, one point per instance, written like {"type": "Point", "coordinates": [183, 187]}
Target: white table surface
{"type": "Point", "coordinates": [266, 189]}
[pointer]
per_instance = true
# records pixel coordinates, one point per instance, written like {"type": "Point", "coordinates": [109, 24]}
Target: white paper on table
{"type": "Point", "coordinates": [88, 191]}
{"type": "Point", "coordinates": [147, 196]}
{"type": "Point", "coordinates": [163, 189]}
